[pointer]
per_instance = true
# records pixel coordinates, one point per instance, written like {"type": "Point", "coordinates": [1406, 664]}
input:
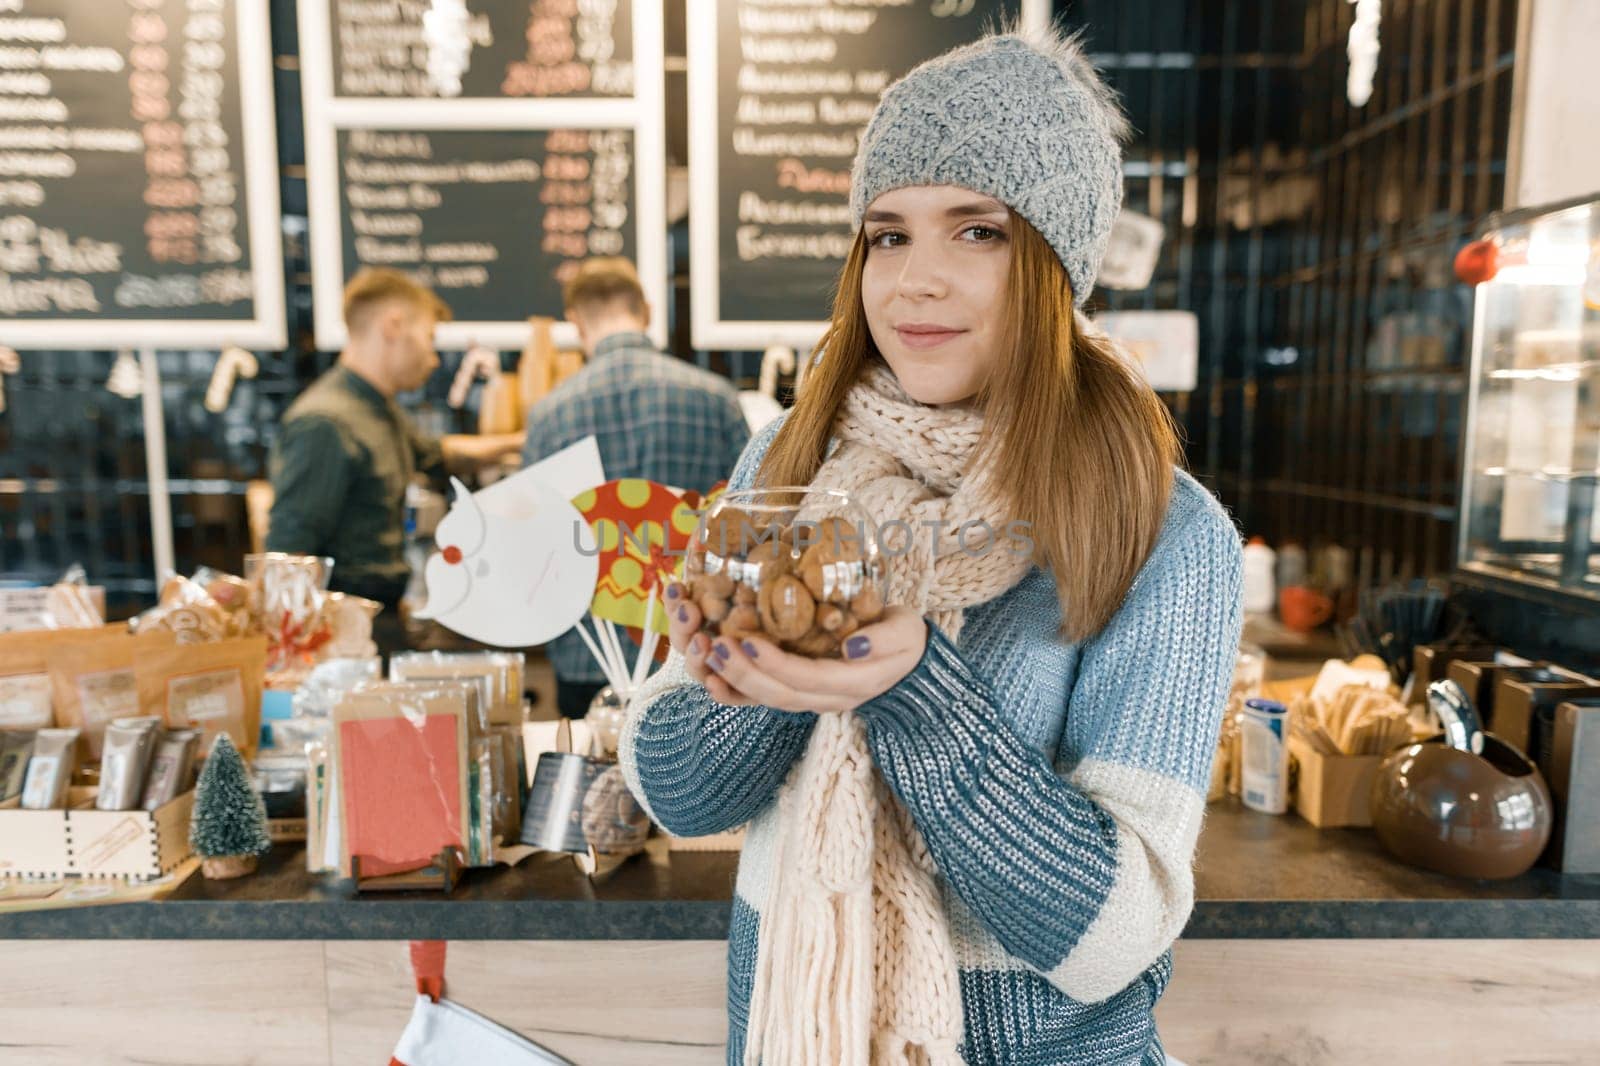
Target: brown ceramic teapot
{"type": "Point", "coordinates": [1464, 802]}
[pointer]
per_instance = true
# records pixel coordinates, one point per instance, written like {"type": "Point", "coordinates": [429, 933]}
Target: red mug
{"type": "Point", "coordinates": [1303, 609]}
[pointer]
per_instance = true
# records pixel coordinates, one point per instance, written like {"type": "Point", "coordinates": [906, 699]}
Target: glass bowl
{"type": "Point", "coordinates": [798, 566]}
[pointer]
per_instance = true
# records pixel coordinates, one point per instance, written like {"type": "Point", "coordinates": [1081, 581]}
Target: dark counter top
{"type": "Point", "coordinates": [1257, 876]}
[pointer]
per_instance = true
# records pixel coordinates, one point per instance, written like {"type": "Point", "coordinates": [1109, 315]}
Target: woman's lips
{"type": "Point", "coordinates": [924, 337]}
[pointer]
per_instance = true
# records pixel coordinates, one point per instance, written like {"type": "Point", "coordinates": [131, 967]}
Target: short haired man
{"type": "Point", "coordinates": [346, 452]}
{"type": "Point", "coordinates": [654, 417]}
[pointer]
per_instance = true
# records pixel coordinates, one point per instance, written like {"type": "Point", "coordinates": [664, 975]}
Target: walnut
{"type": "Point", "coordinates": [745, 596]}
{"type": "Point", "coordinates": [832, 564]}
{"type": "Point", "coordinates": [728, 531]}
{"type": "Point", "coordinates": [787, 609]}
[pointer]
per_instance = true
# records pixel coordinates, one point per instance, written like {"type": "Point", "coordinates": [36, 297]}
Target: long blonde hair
{"type": "Point", "coordinates": [1081, 448]}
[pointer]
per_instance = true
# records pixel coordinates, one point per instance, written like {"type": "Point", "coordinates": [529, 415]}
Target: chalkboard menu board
{"type": "Point", "coordinates": [138, 175]}
{"type": "Point", "coordinates": [546, 48]}
{"type": "Point", "coordinates": [484, 147]}
{"type": "Point", "coordinates": [453, 207]}
{"type": "Point", "coordinates": [778, 97]}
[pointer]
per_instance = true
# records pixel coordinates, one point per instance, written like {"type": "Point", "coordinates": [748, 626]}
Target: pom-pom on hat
{"type": "Point", "coordinates": [1020, 116]}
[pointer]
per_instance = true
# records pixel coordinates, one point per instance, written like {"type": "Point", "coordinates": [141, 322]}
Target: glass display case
{"type": "Point", "coordinates": [1532, 449]}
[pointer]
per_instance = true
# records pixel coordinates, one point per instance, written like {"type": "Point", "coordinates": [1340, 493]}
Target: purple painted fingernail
{"type": "Point", "coordinates": [672, 592]}
{"type": "Point", "coordinates": [720, 650]}
{"type": "Point", "coordinates": [683, 614]}
{"type": "Point", "coordinates": [749, 649]}
{"type": "Point", "coordinates": [857, 648]}
{"type": "Point", "coordinates": [715, 663]}
{"type": "Point", "coordinates": [697, 643]}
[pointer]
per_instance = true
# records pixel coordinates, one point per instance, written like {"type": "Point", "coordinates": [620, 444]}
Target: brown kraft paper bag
{"type": "Point", "coordinates": [26, 701]}
{"type": "Point", "coordinates": [91, 681]}
{"type": "Point", "coordinates": [215, 688]}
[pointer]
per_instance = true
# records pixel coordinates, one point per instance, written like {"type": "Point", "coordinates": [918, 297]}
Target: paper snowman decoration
{"type": "Point", "coordinates": [512, 582]}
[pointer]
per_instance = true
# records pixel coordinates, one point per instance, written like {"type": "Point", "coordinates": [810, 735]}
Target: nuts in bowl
{"type": "Point", "coordinates": [799, 567]}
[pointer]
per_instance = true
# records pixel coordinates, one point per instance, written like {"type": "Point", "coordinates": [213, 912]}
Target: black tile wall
{"type": "Point", "coordinates": [1312, 239]}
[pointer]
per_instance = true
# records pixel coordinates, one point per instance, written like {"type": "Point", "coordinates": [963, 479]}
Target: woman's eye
{"type": "Point", "coordinates": [886, 239]}
{"type": "Point", "coordinates": [982, 234]}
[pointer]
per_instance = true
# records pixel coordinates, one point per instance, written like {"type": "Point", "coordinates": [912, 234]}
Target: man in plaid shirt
{"type": "Point", "coordinates": [654, 417]}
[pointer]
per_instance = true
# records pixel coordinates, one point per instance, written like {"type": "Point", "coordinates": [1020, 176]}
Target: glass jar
{"type": "Point", "coordinates": [798, 566]}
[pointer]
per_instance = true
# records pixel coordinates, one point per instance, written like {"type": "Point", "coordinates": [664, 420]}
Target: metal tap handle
{"type": "Point", "coordinates": [1462, 728]}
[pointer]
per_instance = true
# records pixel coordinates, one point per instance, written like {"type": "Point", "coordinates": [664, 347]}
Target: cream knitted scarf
{"type": "Point", "coordinates": [855, 966]}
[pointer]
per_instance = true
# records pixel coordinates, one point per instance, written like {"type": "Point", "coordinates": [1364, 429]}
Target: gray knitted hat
{"type": "Point", "coordinates": [1022, 117]}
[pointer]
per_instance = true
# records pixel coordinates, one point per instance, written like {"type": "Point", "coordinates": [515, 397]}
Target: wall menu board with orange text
{"type": "Point", "coordinates": [778, 96]}
{"type": "Point", "coordinates": [138, 175]}
{"type": "Point", "coordinates": [485, 148]}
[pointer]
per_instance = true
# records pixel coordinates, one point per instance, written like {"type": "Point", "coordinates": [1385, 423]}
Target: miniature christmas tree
{"type": "Point", "coordinates": [229, 828]}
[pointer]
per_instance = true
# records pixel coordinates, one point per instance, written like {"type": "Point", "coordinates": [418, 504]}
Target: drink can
{"type": "Point", "coordinates": [1263, 733]}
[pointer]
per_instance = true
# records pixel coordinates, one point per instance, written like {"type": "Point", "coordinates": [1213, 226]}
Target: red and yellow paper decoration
{"type": "Point", "coordinates": [659, 524]}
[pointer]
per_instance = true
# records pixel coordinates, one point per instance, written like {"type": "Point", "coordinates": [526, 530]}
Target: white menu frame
{"type": "Point", "coordinates": [709, 329]}
{"type": "Point", "coordinates": [327, 114]}
{"type": "Point", "coordinates": [266, 329]}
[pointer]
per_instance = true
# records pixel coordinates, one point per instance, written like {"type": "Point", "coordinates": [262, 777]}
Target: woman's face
{"type": "Point", "coordinates": [934, 287]}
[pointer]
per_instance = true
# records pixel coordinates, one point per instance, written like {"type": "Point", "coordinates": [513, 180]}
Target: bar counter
{"type": "Point", "coordinates": [1257, 876]}
{"type": "Point", "coordinates": [1305, 946]}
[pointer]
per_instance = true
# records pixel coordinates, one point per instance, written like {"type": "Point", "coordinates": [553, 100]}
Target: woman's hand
{"type": "Point", "coordinates": [683, 632]}
{"type": "Point", "coordinates": [757, 671]}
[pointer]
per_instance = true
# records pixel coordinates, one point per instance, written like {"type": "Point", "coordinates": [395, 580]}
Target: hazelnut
{"type": "Point", "coordinates": [712, 608]}
{"type": "Point", "coordinates": [718, 585]}
{"type": "Point", "coordinates": [787, 609]}
{"type": "Point", "coordinates": [867, 605]}
{"type": "Point", "coordinates": [773, 558]}
{"type": "Point", "coordinates": [742, 621]}
{"type": "Point", "coordinates": [830, 618]}
{"type": "Point", "coordinates": [745, 596]}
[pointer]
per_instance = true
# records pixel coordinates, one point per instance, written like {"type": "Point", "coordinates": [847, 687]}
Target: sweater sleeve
{"type": "Point", "coordinates": [1083, 873]}
{"type": "Point", "coordinates": [697, 765]}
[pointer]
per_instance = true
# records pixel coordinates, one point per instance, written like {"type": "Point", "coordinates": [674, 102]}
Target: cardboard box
{"type": "Point", "coordinates": [1331, 791]}
{"type": "Point", "coordinates": [1575, 787]}
{"type": "Point", "coordinates": [84, 842]}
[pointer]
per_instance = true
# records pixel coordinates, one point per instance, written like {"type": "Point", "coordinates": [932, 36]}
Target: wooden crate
{"type": "Point", "coordinates": [84, 842]}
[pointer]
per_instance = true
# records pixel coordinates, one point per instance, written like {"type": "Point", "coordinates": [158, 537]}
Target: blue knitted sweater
{"type": "Point", "coordinates": [1060, 788]}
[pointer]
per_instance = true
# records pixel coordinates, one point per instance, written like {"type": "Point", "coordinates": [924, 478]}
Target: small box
{"type": "Point", "coordinates": [1478, 681]}
{"type": "Point", "coordinates": [1332, 791]}
{"type": "Point", "coordinates": [1431, 662]}
{"type": "Point", "coordinates": [1575, 787]}
{"type": "Point", "coordinates": [1525, 702]}
{"type": "Point", "coordinates": [84, 842]}
{"type": "Point", "coordinates": [277, 705]}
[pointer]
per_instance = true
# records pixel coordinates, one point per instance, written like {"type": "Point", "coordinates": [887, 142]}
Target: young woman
{"type": "Point", "coordinates": [971, 840]}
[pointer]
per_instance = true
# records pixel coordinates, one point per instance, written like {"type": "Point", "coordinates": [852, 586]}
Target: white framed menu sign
{"type": "Point", "coordinates": [778, 98]}
{"type": "Point", "coordinates": [485, 148]}
{"type": "Point", "coordinates": [138, 176]}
